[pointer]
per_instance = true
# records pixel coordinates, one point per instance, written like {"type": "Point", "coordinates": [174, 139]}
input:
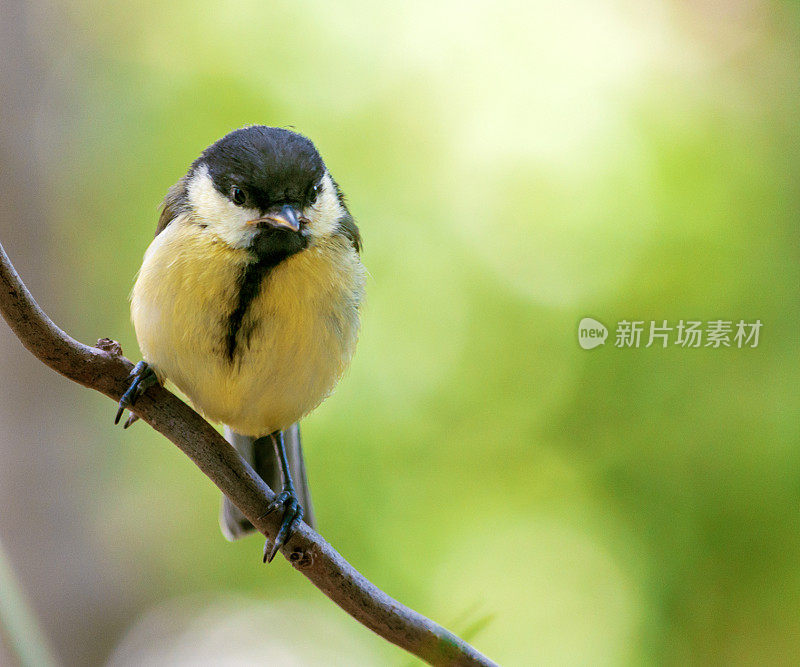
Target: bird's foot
{"type": "Point", "coordinates": [292, 516]}
{"type": "Point", "coordinates": [142, 378]}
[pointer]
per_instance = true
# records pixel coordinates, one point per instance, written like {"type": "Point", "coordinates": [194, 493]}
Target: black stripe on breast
{"type": "Point", "coordinates": [251, 279]}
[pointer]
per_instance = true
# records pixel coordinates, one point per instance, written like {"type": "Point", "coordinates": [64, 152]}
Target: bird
{"type": "Point", "coordinates": [248, 300]}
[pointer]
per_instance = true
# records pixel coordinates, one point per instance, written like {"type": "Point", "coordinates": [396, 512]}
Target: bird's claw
{"type": "Point", "coordinates": [142, 377]}
{"type": "Point", "coordinates": [292, 516]}
{"type": "Point", "coordinates": [132, 418]}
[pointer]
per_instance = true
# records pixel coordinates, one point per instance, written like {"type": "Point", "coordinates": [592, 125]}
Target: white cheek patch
{"type": "Point", "coordinates": [326, 211]}
{"type": "Point", "coordinates": [222, 216]}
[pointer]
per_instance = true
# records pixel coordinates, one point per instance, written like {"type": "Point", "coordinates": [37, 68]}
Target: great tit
{"type": "Point", "coordinates": [248, 301]}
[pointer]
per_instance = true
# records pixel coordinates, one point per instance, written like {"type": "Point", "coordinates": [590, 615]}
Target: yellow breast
{"type": "Point", "coordinates": [296, 337]}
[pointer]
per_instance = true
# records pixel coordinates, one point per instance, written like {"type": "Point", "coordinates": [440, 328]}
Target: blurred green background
{"type": "Point", "coordinates": [514, 167]}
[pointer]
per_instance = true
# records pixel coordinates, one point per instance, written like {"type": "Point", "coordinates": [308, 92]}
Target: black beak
{"type": "Point", "coordinates": [286, 218]}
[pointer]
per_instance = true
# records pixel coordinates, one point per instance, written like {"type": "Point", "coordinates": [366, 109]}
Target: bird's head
{"type": "Point", "coordinates": [264, 189]}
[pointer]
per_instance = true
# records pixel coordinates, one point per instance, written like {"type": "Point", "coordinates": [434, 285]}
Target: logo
{"type": "Point", "coordinates": [591, 333]}
{"type": "Point", "coordinates": [716, 334]}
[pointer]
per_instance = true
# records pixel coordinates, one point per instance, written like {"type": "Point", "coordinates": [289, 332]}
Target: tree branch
{"type": "Point", "coordinates": [104, 369]}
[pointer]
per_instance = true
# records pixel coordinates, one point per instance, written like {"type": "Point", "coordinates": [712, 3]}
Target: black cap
{"type": "Point", "coordinates": [269, 164]}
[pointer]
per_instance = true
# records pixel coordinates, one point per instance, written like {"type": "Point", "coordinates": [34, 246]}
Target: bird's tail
{"type": "Point", "coordinates": [260, 454]}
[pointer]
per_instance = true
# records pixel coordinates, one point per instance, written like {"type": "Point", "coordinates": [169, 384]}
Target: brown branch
{"type": "Point", "coordinates": [104, 369]}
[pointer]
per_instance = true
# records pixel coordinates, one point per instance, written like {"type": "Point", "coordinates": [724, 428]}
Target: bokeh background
{"type": "Point", "coordinates": [514, 167]}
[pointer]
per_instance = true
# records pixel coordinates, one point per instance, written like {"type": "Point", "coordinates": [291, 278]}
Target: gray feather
{"type": "Point", "coordinates": [260, 454]}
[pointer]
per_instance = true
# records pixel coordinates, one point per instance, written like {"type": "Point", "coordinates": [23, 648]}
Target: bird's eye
{"type": "Point", "coordinates": [237, 196]}
{"type": "Point", "coordinates": [313, 192]}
